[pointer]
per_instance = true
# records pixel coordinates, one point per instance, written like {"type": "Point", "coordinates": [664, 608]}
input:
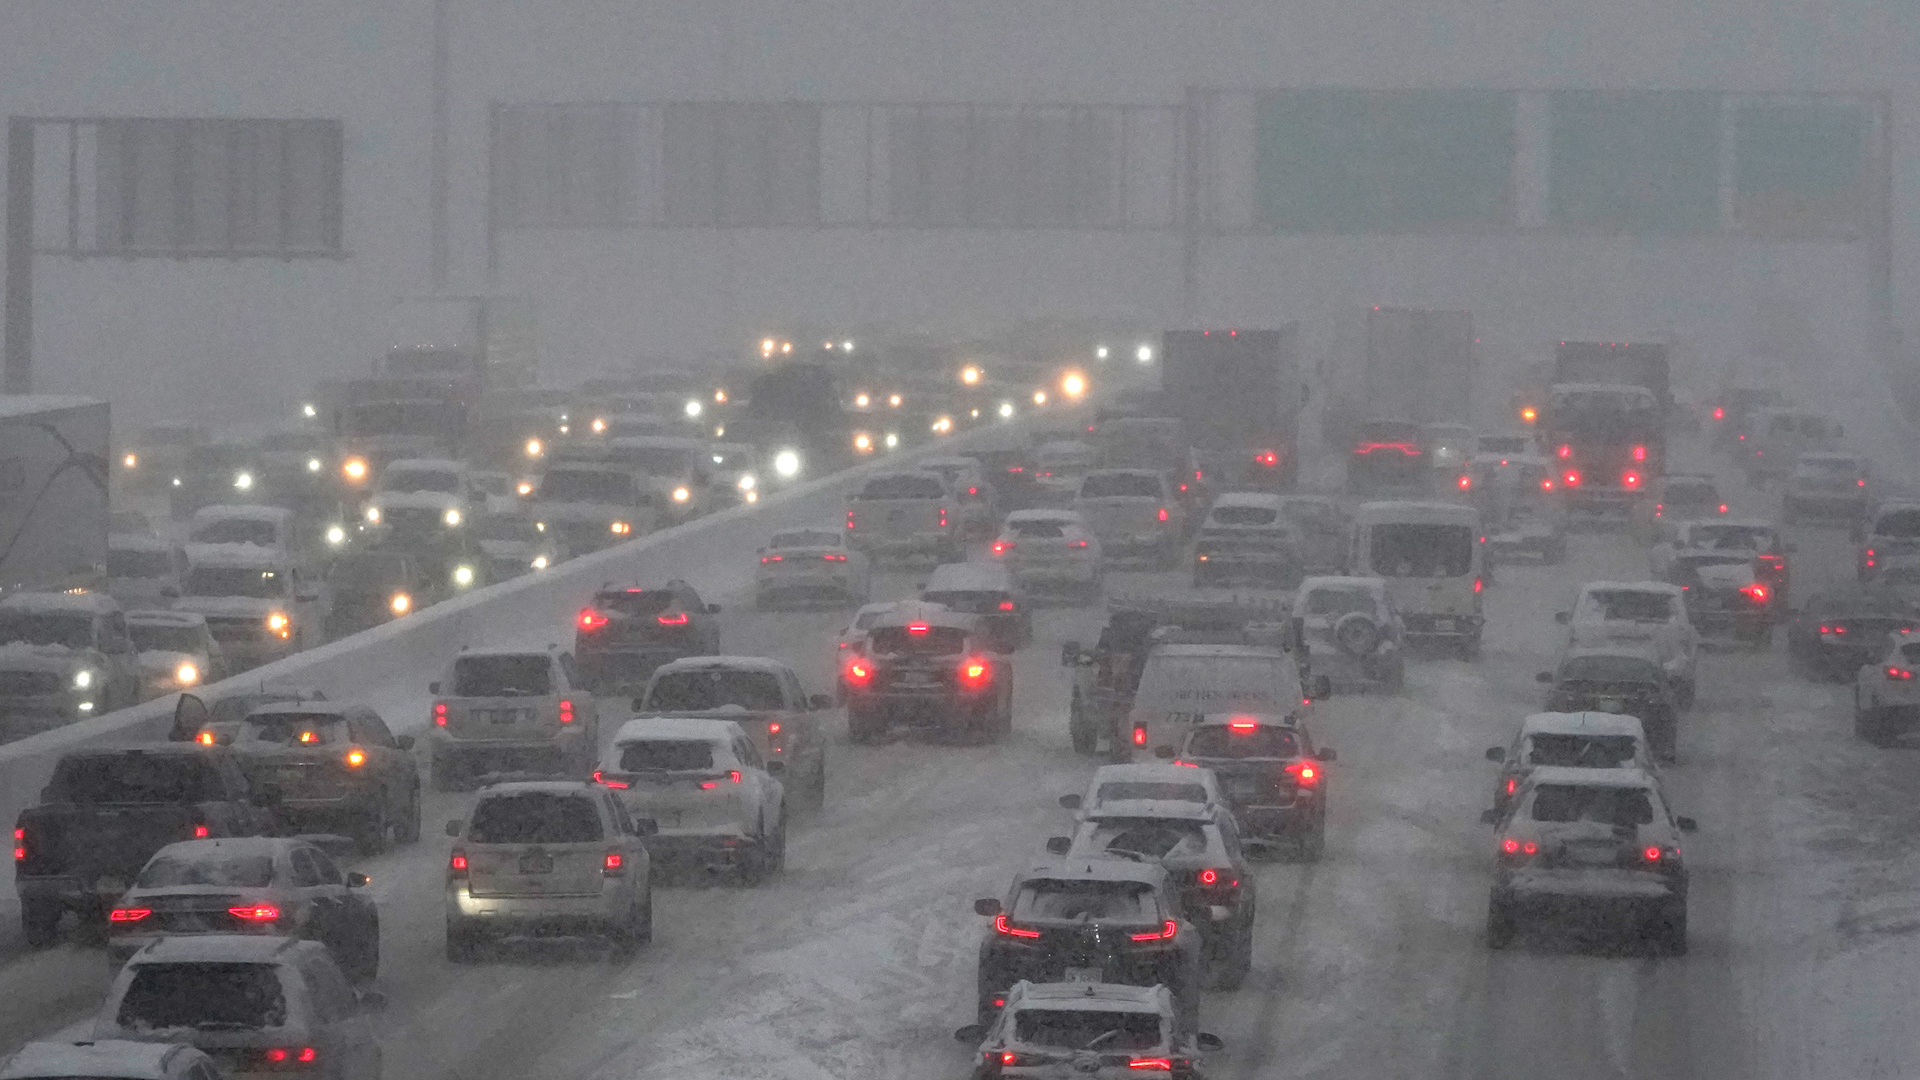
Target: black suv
{"type": "Point", "coordinates": [1089, 920]}
{"type": "Point", "coordinates": [1273, 778]}
{"type": "Point", "coordinates": [626, 632]}
{"type": "Point", "coordinates": [925, 666]}
{"type": "Point", "coordinates": [1617, 679]}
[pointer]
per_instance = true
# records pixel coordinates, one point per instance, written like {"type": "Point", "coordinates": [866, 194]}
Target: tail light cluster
{"type": "Point", "coordinates": [255, 913]}
{"type": "Point", "coordinates": [859, 672]}
{"type": "Point", "coordinates": [1163, 513]}
{"type": "Point", "coordinates": [833, 556]}
{"type": "Point", "coordinates": [1001, 547]}
{"type": "Point", "coordinates": [1303, 773]}
{"type": "Point", "coordinates": [765, 559]}
{"type": "Point", "coordinates": [1755, 592]}
{"type": "Point", "coordinates": [457, 866]}
{"type": "Point", "coordinates": [1002, 926]}
{"type": "Point", "coordinates": [128, 914]}
{"type": "Point", "coordinates": [1139, 735]}
{"type": "Point", "coordinates": [440, 714]}
{"type": "Point", "coordinates": [849, 521]}
{"type": "Point", "coordinates": [1516, 850]}
{"type": "Point", "coordinates": [975, 672]}
{"type": "Point", "coordinates": [601, 778]}
{"type": "Point", "coordinates": [281, 1057]}
{"type": "Point", "coordinates": [614, 865]}
{"type": "Point", "coordinates": [1167, 930]}
{"type": "Point", "coordinates": [1466, 483]}
{"type": "Point", "coordinates": [566, 710]}
{"type": "Point", "coordinates": [1572, 478]}
{"type": "Point", "coordinates": [732, 778]}
{"type": "Point", "coordinates": [19, 845]}
{"type": "Point", "coordinates": [591, 620]}
{"type": "Point", "coordinates": [1216, 882]}
{"type": "Point", "coordinates": [678, 618]}
{"type": "Point", "coordinates": [1900, 673]}
{"type": "Point", "coordinates": [943, 517]}
{"type": "Point", "coordinates": [1834, 629]}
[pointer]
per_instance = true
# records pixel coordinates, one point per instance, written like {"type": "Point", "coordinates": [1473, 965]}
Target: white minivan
{"type": "Point", "coordinates": [1430, 555]}
{"type": "Point", "coordinates": [1182, 683]}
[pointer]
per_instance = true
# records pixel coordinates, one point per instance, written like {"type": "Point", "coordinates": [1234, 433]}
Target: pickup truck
{"type": "Point", "coordinates": [905, 514]}
{"type": "Point", "coordinates": [107, 810]}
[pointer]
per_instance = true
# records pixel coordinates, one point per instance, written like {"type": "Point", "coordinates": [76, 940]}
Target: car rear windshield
{"type": "Point", "coordinates": [1835, 468]}
{"type": "Point", "coordinates": [934, 641]}
{"type": "Point", "coordinates": [677, 690]}
{"type": "Point", "coordinates": [1504, 444]}
{"type": "Point", "coordinates": [1073, 1029]}
{"type": "Point", "coordinates": [237, 531]}
{"type": "Point", "coordinates": [1260, 741]}
{"type": "Point", "coordinates": [1733, 537]}
{"type": "Point", "coordinates": [207, 868]}
{"type": "Point", "coordinates": [805, 538]}
{"type": "Point", "coordinates": [667, 755]}
{"type": "Point", "coordinates": [371, 570]}
{"type": "Point", "coordinates": [1243, 515]}
{"type": "Point", "coordinates": [1629, 605]}
{"type": "Point", "coordinates": [971, 601]}
{"type": "Point", "coordinates": [1339, 601]}
{"type": "Point", "coordinates": [1038, 530]}
{"type": "Point", "coordinates": [535, 817]}
{"type": "Point", "coordinates": [1904, 524]}
{"type": "Point", "coordinates": [903, 487]}
{"type": "Point", "coordinates": [1151, 837]}
{"type": "Point", "coordinates": [1119, 790]}
{"type": "Point", "coordinates": [1606, 805]}
{"type": "Point", "coordinates": [250, 582]}
{"type": "Point", "coordinates": [587, 486]}
{"type": "Point", "coordinates": [207, 997]}
{"type": "Point", "coordinates": [1077, 901]}
{"type": "Point", "coordinates": [440, 481]}
{"type": "Point", "coordinates": [1422, 551]}
{"type": "Point", "coordinates": [1580, 751]}
{"type": "Point", "coordinates": [138, 564]}
{"type": "Point", "coordinates": [1610, 669]}
{"type": "Point", "coordinates": [1120, 486]}
{"type": "Point", "coordinates": [72, 629]}
{"type": "Point", "coordinates": [632, 602]}
{"type": "Point", "coordinates": [137, 778]}
{"type": "Point", "coordinates": [297, 729]}
{"type": "Point", "coordinates": [501, 676]}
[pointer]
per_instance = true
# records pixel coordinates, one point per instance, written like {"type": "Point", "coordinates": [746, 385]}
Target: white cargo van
{"type": "Point", "coordinates": [1431, 557]}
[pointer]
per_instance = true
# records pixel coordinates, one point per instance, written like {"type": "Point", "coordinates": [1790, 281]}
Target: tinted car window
{"type": "Point", "coordinates": [901, 641]}
{"type": "Point", "coordinates": [1037, 530]}
{"type": "Point", "coordinates": [501, 676]}
{"type": "Point", "coordinates": [1734, 537]}
{"type": "Point", "coordinates": [972, 602]}
{"type": "Point", "coordinates": [805, 538]}
{"type": "Point", "coordinates": [171, 779]}
{"type": "Point", "coordinates": [1630, 606]}
{"type": "Point", "coordinates": [1606, 805]}
{"type": "Point", "coordinates": [1243, 515]}
{"type": "Point", "coordinates": [296, 729]}
{"type": "Point", "coordinates": [1072, 1029]}
{"type": "Point", "coordinates": [635, 601]}
{"type": "Point", "coordinates": [1900, 523]}
{"type": "Point", "coordinates": [237, 531]}
{"type": "Point", "coordinates": [667, 755]}
{"type": "Point", "coordinates": [711, 689]}
{"type": "Point", "coordinates": [210, 868]}
{"type": "Point", "coordinates": [1258, 742]}
{"type": "Point", "coordinates": [371, 570]}
{"type": "Point", "coordinates": [1581, 751]}
{"type": "Point", "coordinates": [1156, 839]}
{"type": "Point", "coordinates": [1114, 790]}
{"type": "Point", "coordinates": [903, 487]}
{"type": "Point", "coordinates": [234, 581]}
{"type": "Point", "coordinates": [1339, 601]}
{"type": "Point", "coordinates": [73, 630]}
{"type": "Point", "coordinates": [1609, 669]}
{"type": "Point", "coordinates": [1045, 898]}
{"type": "Point", "coordinates": [1422, 550]}
{"type": "Point", "coordinates": [534, 818]}
{"type": "Point", "coordinates": [204, 996]}
{"type": "Point", "coordinates": [1120, 485]}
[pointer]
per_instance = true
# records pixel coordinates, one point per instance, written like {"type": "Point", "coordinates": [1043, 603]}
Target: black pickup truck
{"type": "Point", "coordinates": [106, 811]}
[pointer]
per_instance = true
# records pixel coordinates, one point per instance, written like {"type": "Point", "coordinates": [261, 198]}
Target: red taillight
{"type": "Point", "coordinates": [19, 845]}
{"type": "Point", "coordinates": [773, 728]}
{"type": "Point", "coordinates": [1566, 451]}
{"type": "Point", "coordinates": [457, 865]}
{"type": "Point", "coordinates": [128, 914]}
{"type": "Point", "coordinates": [1860, 483]}
{"type": "Point", "coordinates": [1243, 725]}
{"type": "Point", "coordinates": [678, 618]}
{"type": "Point", "coordinates": [973, 491]}
{"type": "Point", "coordinates": [1572, 479]}
{"type": "Point", "coordinates": [255, 913]}
{"type": "Point", "coordinates": [1639, 453]}
{"type": "Point", "coordinates": [200, 832]}
{"type": "Point", "coordinates": [1723, 508]}
{"type": "Point", "coordinates": [1167, 930]}
{"type": "Point", "coordinates": [1164, 1064]}
{"type": "Point", "coordinates": [1719, 413]}
{"type": "Point", "coordinates": [1652, 853]}
{"type": "Point", "coordinates": [591, 619]}
{"type": "Point", "coordinates": [1079, 543]}
{"type": "Point", "coordinates": [1630, 479]}
{"type": "Point", "coordinates": [1163, 513]}
{"type": "Point", "coordinates": [764, 559]}
{"type": "Point", "coordinates": [1006, 605]}
{"type": "Point", "coordinates": [1546, 484]}
{"type": "Point", "coordinates": [440, 713]}
{"type": "Point", "coordinates": [975, 672]}
{"type": "Point", "coordinates": [943, 517]}
{"type": "Point", "coordinates": [834, 557]}
{"type": "Point", "coordinates": [1903, 674]}
{"type": "Point", "coordinates": [601, 778]}
{"type": "Point", "coordinates": [1209, 876]}
{"type": "Point", "coordinates": [1511, 784]}
{"type": "Point", "coordinates": [1479, 584]}
{"type": "Point", "coordinates": [1511, 846]}
{"type": "Point", "coordinates": [1264, 457]}
{"type": "Point", "coordinates": [849, 520]}
{"type": "Point", "coordinates": [917, 628]}
{"type": "Point", "coordinates": [1001, 925]}
{"type": "Point", "coordinates": [566, 710]}
{"type": "Point", "coordinates": [1303, 773]}
{"type": "Point", "coordinates": [1139, 736]}
{"type": "Point", "coordinates": [613, 865]}
{"type": "Point", "coordinates": [1466, 483]}
{"type": "Point", "coordinates": [1001, 547]}
{"type": "Point", "coordinates": [858, 673]}
{"type": "Point", "coordinates": [1755, 592]}
{"type": "Point", "coordinates": [280, 1055]}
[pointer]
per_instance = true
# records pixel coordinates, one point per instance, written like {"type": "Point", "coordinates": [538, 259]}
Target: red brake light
{"type": "Point", "coordinates": [1006, 605]}
{"type": "Point", "coordinates": [917, 628]}
{"type": "Point", "coordinates": [1756, 591]}
{"type": "Point", "coordinates": [1478, 584]}
{"type": "Point", "coordinates": [1209, 876]}
{"type": "Point", "coordinates": [1723, 508]}
{"type": "Point", "coordinates": [1719, 413]}
{"type": "Point", "coordinates": [199, 832]}
{"type": "Point", "coordinates": [1001, 547]}
{"type": "Point", "coordinates": [440, 713]}
{"type": "Point", "coordinates": [566, 711]}
{"type": "Point", "coordinates": [973, 491]}
{"type": "Point", "coordinates": [1079, 543]}
{"type": "Point", "coordinates": [773, 728]}
{"type": "Point", "coordinates": [128, 914]}
{"type": "Point", "coordinates": [1639, 453]}
{"type": "Point", "coordinates": [764, 559]}
{"type": "Point", "coordinates": [1001, 925]}
{"type": "Point", "coordinates": [1652, 853]}
{"type": "Point", "coordinates": [1566, 451]}
{"type": "Point", "coordinates": [1630, 479]}
{"type": "Point", "coordinates": [1242, 725]}
{"type": "Point", "coordinates": [1164, 1064]}
{"type": "Point", "coordinates": [1466, 483]}
{"type": "Point", "coordinates": [1572, 478]}
{"type": "Point", "coordinates": [457, 865]}
{"type": "Point", "coordinates": [1265, 457]}
{"type": "Point", "coordinates": [1167, 930]}
{"type": "Point", "coordinates": [591, 619]}
{"type": "Point", "coordinates": [19, 845]}
{"type": "Point", "coordinates": [256, 913]}
{"type": "Point", "coordinates": [858, 673]}
{"type": "Point", "coordinates": [617, 785]}
{"type": "Point", "coordinates": [834, 557]}
{"type": "Point", "coordinates": [1860, 483]}
{"type": "Point", "coordinates": [1546, 484]}
{"type": "Point", "coordinates": [975, 672]}
{"type": "Point", "coordinates": [1163, 513]}
{"type": "Point", "coordinates": [678, 618]}
{"type": "Point", "coordinates": [1511, 784]}
{"type": "Point", "coordinates": [1304, 773]}
{"type": "Point", "coordinates": [613, 865]}
{"type": "Point", "coordinates": [1139, 736]}
{"type": "Point", "coordinates": [1903, 674]}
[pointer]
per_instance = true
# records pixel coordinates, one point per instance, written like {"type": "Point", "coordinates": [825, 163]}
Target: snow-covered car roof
{"type": "Point", "coordinates": [90, 603]}
{"type": "Point", "coordinates": [138, 542]}
{"type": "Point", "coordinates": [1582, 723]}
{"type": "Point", "coordinates": [1151, 874]}
{"type": "Point", "coordinates": [241, 512]}
{"type": "Point", "coordinates": [1248, 498]}
{"type": "Point", "coordinates": [541, 787]}
{"type": "Point", "coordinates": [1411, 512]}
{"type": "Point", "coordinates": [725, 663]}
{"type": "Point", "coordinates": [1222, 719]}
{"type": "Point", "coordinates": [505, 650]}
{"type": "Point", "coordinates": [237, 556]}
{"type": "Point", "coordinates": [971, 577]}
{"type": "Point", "coordinates": [675, 727]}
{"type": "Point", "coordinates": [1375, 585]}
{"type": "Point", "coordinates": [808, 537]}
{"type": "Point", "coordinates": [1222, 650]}
{"type": "Point", "coordinates": [107, 1059]}
{"type": "Point", "coordinates": [304, 708]}
{"type": "Point", "coordinates": [1614, 778]}
{"type": "Point", "coordinates": [1636, 650]}
{"type": "Point", "coordinates": [182, 619]}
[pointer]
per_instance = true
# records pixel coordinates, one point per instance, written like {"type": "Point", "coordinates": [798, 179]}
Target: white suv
{"type": "Point", "coordinates": [511, 710]}
{"type": "Point", "coordinates": [717, 803]}
{"type": "Point", "coordinates": [1886, 699]}
{"type": "Point", "coordinates": [1648, 614]}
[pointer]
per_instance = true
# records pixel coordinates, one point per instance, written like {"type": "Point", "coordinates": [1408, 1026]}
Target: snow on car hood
{"type": "Point", "coordinates": [229, 605]}
{"type": "Point", "coordinates": [22, 656]}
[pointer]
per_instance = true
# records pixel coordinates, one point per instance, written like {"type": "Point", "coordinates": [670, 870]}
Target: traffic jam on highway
{"type": "Point", "coordinates": [1014, 755]}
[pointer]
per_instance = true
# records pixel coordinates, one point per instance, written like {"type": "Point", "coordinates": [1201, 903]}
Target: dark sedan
{"type": "Point", "coordinates": [1618, 679]}
{"type": "Point", "coordinates": [1836, 632]}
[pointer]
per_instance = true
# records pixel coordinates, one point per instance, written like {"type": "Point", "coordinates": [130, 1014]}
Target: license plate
{"type": "Point", "coordinates": [538, 862]}
{"type": "Point", "coordinates": [915, 678]}
{"type": "Point", "coordinates": [503, 716]}
{"type": "Point", "coordinates": [1593, 854]}
{"type": "Point", "coordinates": [1084, 974]}
{"type": "Point", "coordinates": [1243, 789]}
{"type": "Point", "coordinates": [1445, 625]}
{"type": "Point", "coordinates": [1610, 705]}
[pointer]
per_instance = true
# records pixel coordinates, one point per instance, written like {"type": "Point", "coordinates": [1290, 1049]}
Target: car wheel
{"type": "Point", "coordinates": [361, 960]}
{"type": "Point", "coordinates": [865, 724]}
{"type": "Point", "coordinates": [463, 944]}
{"type": "Point", "coordinates": [1668, 935]}
{"type": "Point", "coordinates": [40, 922]}
{"type": "Point", "coordinates": [1311, 845]}
{"type": "Point", "coordinates": [1501, 926]}
{"type": "Point", "coordinates": [370, 832]}
{"type": "Point", "coordinates": [1080, 728]}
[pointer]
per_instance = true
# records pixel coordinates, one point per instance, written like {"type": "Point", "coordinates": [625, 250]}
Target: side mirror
{"type": "Point", "coordinates": [453, 827]}
{"type": "Point", "coordinates": [404, 742]}
{"type": "Point", "coordinates": [1058, 845]}
{"type": "Point", "coordinates": [372, 1002]}
{"type": "Point", "coordinates": [434, 687]}
{"type": "Point", "coordinates": [1210, 1042]}
{"type": "Point", "coordinates": [646, 826]}
{"type": "Point", "coordinates": [1070, 802]}
{"type": "Point", "coordinates": [776, 767]}
{"type": "Point", "coordinates": [971, 1034]}
{"type": "Point", "coordinates": [1544, 677]}
{"type": "Point", "coordinates": [987, 906]}
{"type": "Point", "coordinates": [1070, 654]}
{"type": "Point", "coordinates": [819, 701]}
{"type": "Point", "coordinates": [356, 879]}
{"type": "Point", "coordinates": [1318, 687]}
{"type": "Point", "coordinates": [1326, 753]}
{"type": "Point", "coordinates": [1686, 824]}
{"type": "Point", "coordinates": [1497, 755]}
{"type": "Point", "coordinates": [1563, 617]}
{"type": "Point", "coordinates": [713, 609]}
{"type": "Point", "coordinates": [1489, 816]}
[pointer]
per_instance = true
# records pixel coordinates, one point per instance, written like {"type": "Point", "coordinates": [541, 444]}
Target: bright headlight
{"type": "Point", "coordinates": [1006, 410]}
{"type": "Point", "coordinates": [243, 481]}
{"type": "Point", "coordinates": [131, 461]}
{"type": "Point", "coordinates": [525, 488]}
{"type": "Point", "coordinates": [309, 411]}
{"type": "Point", "coordinates": [401, 603]}
{"type": "Point", "coordinates": [373, 514]}
{"type": "Point", "coordinates": [336, 535]}
{"type": "Point", "coordinates": [1100, 353]}
{"type": "Point", "coordinates": [186, 674]}
{"type": "Point", "coordinates": [535, 448]}
{"type": "Point", "coordinates": [681, 494]}
{"type": "Point", "coordinates": [619, 528]}
{"type": "Point", "coordinates": [599, 425]}
{"type": "Point", "coordinates": [279, 623]}
{"type": "Point", "coordinates": [451, 517]}
{"type": "Point", "coordinates": [83, 679]}
{"type": "Point", "coordinates": [787, 463]}
{"type": "Point", "coordinates": [753, 496]}
{"type": "Point", "coordinates": [863, 442]}
{"type": "Point", "coordinates": [694, 409]}
{"type": "Point", "coordinates": [893, 440]}
{"type": "Point", "coordinates": [539, 562]}
{"type": "Point", "coordinates": [313, 464]}
{"type": "Point", "coordinates": [746, 482]}
{"type": "Point", "coordinates": [1144, 353]}
{"type": "Point", "coordinates": [354, 469]}
{"type": "Point", "coordinates": [463, 574]}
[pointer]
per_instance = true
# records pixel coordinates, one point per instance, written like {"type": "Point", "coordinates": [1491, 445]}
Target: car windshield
{"type": "Point", "coordinates": [1900, 524]}
{"type": "Point", "coordinates": [1076, 1029]}
{"type": "Point", "coordinates": [138, 564]}
{"type": "Point", "coordinates": [667, 755]}
{"type": "Point", "coordinates": [535, 817]}
{"type": "Point", "coordinates": [1120, 486]}
{"type": "Point", "coordinates": [1335, 600]}
{"type": "Point", "coordinates": [1421, 551]}
{"type": "Point", "coordinates": [203, 996]}
{"type": "Point", "coordinates": [440, 481]}
{"type": "Point", "coordinates": [1154, 790]}
{"type": "Point", "coordinates": [1627, 605]}
{"type": "Point", "coordinates": [137, 778]}
{"type": "Point", "coordinates": [903, 486]}
{"type": "Point", "coordinates": [1085, 901]}
{"type": "Point", "coordinates": [1606, 805]}
{"type": "Point", "coordinates": [247, 581]}
{"type": "Point", "coordinates": [296, 729]}
{"type": "Point", "coordinates": [1733, 537]}
{"type": "Point", "coordinates": [1258, 741]}
{"type": "Point", "coordinates": [153, 637]}
{"type": "Point", "coordinates": [694, 690]}
{"type": "Point", "coordinates": [505, 527]}
{"type": "Point", "coordinates": [1582, 751]}
{"type": "Point", "coordinates": [371, 570]}
{"type": "Point", "coordinates": [221, 868]}
{"type": "Point", "coordinates": [588, 486]}
{"type": "Point", "coordinates": [1155, 838]}
{"type": "Point", "coordinates": [635, 602]}
{"type": "Point", "coordinates": [657, 461]}
{"type": "Point", "coordinates": [1243, 515]}
{"type": "Point", "coordinates": [1609, 669]}
{"type": "Point", "coordinates": [1037, 530]}
{"type": "Point", "coordinates": [801, 538]}
{"type": "Point", "coordinates": [502, 676]}
{"type": "Point", "coordinates": [69, 628]}
{"type": "Point", "coordinates": [905, 641]}
{"type": "Point", "coordinates": [237, 531]}
{"type": "Point", "coordinates": [1829, 468]}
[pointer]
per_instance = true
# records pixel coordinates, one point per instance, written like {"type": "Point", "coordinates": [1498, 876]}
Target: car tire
{"type": "Point", "coordinates": [407, 829]}
{"type": "Point", "coordinates": [1310, 846]}
{"type": "Point", "coordinates": [865, 724]}
{"type": "Point", "coordinates": [1501, 924]}
{"type": "Point", "coordinates": [1668, 934]}
{"type": "Point", "coordinates": [1081, 729]}
{"type": "Point", "coordinates": [370, 832]}
{"type": "Point", "coordinates": [40, 922]}
{"type": "Point", "coordinates": [463, 943]}
{"type": "Point", "coordinates": [360, 959]}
